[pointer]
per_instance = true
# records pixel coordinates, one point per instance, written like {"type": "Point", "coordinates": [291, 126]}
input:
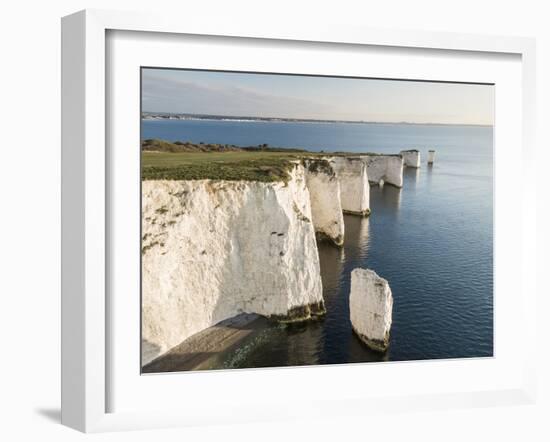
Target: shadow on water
{"type": "Point", "coordinates": [356, 242]}
{"type": "Point", "coordinates": [174, 361]}
{"type": "Point", "coordinates": [278, 345]}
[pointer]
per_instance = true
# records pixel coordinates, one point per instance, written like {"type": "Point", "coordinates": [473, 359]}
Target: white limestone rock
{"type": "Point", "coordinates": [214, 249]}
{"type": "Point", "coordinates": [388, 168]}
{"type": "Point", "coordinates": [326, 202]}
{"type": "Point", "coordinates": [431, 156]}
{"type": "Point", "coordinates": [411, 158]}
{"type": "Point", "coordinates": [354, 184]}
{"type": "Point", "coordinates": [370, 305]}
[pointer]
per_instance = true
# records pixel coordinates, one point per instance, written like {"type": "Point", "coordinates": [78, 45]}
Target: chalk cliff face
{"type": "Point", "coordinates": [371, 305]}
{"type": "Point", "coordinates": [325, 197]}
{"type": "Point", "coordinates": [388, 168]}
{"type": "Point", "coordinates": [431, 156]}
{"type": "Point", "coordinates": [354, 184]}
{"type": "Point", "coordinates": [215, 249]}
{"type": "Point", "coordinates": [411, 158]}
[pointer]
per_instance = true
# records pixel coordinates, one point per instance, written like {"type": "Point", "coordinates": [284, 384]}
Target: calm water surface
{"type": "Point", "coordinates": [432, 240]}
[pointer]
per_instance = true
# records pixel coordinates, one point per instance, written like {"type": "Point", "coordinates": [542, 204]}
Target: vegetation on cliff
{"type": "Point", "coordinates": [163, 160]}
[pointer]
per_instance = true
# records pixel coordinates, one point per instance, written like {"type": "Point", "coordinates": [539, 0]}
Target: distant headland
{"type": "Point", "coordinates": [146, 115]}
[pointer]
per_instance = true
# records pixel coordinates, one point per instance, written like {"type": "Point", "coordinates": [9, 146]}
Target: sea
{"type": "Point", "coordinates": [432, 240]}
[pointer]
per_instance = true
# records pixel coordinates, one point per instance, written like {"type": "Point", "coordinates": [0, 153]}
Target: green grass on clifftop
{"type": "Point", "coordinates": [164, 160]}
{"type": "Point", "coordinates": [248, 166]}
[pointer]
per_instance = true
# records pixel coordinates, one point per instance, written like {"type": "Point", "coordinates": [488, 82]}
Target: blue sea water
{"type": "Point", "coordinates": [432, 240]}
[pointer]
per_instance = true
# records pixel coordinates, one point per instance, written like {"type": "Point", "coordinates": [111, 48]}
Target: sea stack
{"type": "Point", "coordinates": [411, 158]}
{"type": "Point", "coordinates": [370, 304]}
{"type": "Point", "coordinates": [354, 184]}
{"type": "Point", "coordinates": [431, 156]}
{"type": "Point", "coordinates": [326, 202]}
{"type": "Point", "coordinates": [388, 168]}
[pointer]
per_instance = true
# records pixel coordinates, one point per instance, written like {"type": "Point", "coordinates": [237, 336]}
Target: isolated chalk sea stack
{"type": "Point", "coordinates": [386, 168]}
{"type": "Point", "coordinates": [411, 158]}
{"type": "Point", "coordinates": [351, 172]}
{"type": "Point", "coordinates": [431, 156]}
{"type": "Point", "coordinates": [371, 305]}
{"type": "Point", "coordinates": [213, 249]}
{"type": "Point", "coordinates": [326, 202]}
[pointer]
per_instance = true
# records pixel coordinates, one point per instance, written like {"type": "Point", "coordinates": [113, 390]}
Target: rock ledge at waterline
{"type": "Point", "coordinates": [371, 304]}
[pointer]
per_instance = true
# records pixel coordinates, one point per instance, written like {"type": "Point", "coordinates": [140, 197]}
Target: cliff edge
{"type": "Point", "coordinates": [214, 249]}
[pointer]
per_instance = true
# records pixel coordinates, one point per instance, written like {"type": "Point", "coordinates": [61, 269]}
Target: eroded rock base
{"type": "Point", "coordinates": [365, 212]}
{"type": "Point", "coordinates": [302, 313]}
{"type": "Point", "coordinates": [378, 345]}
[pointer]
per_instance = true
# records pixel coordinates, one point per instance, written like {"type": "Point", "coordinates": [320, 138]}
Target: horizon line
{"type": "Point", "coordinates": [250, 117]}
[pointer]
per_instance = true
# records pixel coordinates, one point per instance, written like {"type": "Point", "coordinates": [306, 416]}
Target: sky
{"type": "Point", "coordinates": [331, 98]}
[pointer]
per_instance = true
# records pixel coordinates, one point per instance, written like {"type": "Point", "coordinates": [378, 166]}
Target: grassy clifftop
{"type": "Point", "coordinates": [164, 160]}
{"type": "Point", "coordinates": [234, 166]}
{"type": "Point", "coordinates": [155, 145]}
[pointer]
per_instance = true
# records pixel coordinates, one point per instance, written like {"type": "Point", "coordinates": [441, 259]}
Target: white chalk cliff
{"type": "Point", "coordinates": [354, 183]}
{"type": "Point", "coordinates": [388, 168]}
{"type": "Point", "coordinates": [371, 304]}
{"type": "Point", "coordinates": [431, 156]}
{"type": "Point", "coordinates": [215, 249]}
{"type": "Point", "coordinates": [411, 158]}
{"type": "Point", "coordinates": [326, 202]}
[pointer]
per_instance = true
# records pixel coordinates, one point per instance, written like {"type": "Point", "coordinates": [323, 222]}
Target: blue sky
{"type": "Point", "coordinates": [261, 95]}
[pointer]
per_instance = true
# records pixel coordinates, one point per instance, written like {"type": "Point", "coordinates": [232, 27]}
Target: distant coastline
{"type": "Point", "coordinates": [244, 119]}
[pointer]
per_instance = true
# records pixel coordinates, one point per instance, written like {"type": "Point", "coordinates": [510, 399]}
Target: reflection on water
{"type": "Point", "coordinates": [429, 173]}
{"type": "Point", "coordinates": [411, 176]}
{"type": "Point", "coordinates": [356, 241]}
{"type": "Point", "coordinates": [384, 198]}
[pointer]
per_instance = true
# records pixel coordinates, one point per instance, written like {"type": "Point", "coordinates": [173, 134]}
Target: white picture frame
{"type": "Point", "coordinates": [86, 206]}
